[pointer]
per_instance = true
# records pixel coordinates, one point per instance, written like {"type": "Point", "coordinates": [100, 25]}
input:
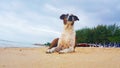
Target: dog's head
{"type": "Point", "coordinates": [67, 17]}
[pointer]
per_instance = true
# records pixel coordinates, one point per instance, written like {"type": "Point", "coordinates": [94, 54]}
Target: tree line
{"type": "Point", "coordinates": [99, 34]}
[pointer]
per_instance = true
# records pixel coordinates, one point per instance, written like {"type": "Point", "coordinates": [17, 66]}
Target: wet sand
{"type": "Point", "coordinates": [37, 58]}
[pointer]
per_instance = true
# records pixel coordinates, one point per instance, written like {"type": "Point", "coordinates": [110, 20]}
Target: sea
{"type": "Point", "coordinates": [6, 43]}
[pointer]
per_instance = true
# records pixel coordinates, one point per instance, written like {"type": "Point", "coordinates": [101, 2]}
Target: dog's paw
{"type": "Point", "coordinates": [61, 53]}
{"type": "Point", "coordinates": [48, 52]}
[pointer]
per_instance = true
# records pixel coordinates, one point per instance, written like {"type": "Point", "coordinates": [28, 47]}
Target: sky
{"type": "Point", "coordinates": [37, 21]}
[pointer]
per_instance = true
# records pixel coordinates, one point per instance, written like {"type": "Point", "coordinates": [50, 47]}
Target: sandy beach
{"type": "Point", "coordinates": [37, 58]}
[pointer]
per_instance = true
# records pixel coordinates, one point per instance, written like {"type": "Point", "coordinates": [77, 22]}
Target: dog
{"type": "Point", "coordinates": [54, 43]}
{"type": "Point", "coordinates": [67, 41]}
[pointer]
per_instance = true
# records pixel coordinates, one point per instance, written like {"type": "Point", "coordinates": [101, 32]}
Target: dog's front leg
{"type": "Point", "coordinates": [67, 50]}
{"type": "Point", "coordinates": [54, 49]}
{"type": "Point", "coordinates": [51, 50]}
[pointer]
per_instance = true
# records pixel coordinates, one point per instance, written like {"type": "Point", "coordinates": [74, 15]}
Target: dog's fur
{"type": "Point", "coordinates": [66, 42]}
{"type": "Point", "coordinates": [54, 43]}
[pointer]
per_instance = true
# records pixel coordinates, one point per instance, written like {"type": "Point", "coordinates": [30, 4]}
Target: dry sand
{"type": "Point", "coordinates": [37, 58]}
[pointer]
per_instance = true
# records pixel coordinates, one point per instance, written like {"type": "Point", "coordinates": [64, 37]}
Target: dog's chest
{"type": "Point", "coordinates": [68, 32]}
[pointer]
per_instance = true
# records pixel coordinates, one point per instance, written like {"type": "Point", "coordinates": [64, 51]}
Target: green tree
{"type": "Point", "coordinates": [114, 35]}
{"type": "Point", "coordinates": [99, 34]}
{"type": "Point", "coordinates": [47, 44]}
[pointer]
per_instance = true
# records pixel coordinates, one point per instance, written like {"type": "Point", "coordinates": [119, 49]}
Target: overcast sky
{"type": "Point", "coordinates": [37, 21]}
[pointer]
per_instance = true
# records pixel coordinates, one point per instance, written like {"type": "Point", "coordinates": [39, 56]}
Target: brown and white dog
{"type": "Point", "coordinates": [66, 42]}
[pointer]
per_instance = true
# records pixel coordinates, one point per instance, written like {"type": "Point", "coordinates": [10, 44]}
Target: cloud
{"type": "Point", "coordinates": [18, 28]}
{"type": "Point", "coordinates": [59, 10]}
{"type": "Point", "coordinates": [11, 5]}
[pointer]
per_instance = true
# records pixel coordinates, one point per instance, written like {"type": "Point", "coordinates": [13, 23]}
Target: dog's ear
{"type": "Point", "coordinates": [76, 18]}
{"type": "Point", "coordinates": [63, 16]}
{"type": "Point", "coordinates": [73, 18]}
